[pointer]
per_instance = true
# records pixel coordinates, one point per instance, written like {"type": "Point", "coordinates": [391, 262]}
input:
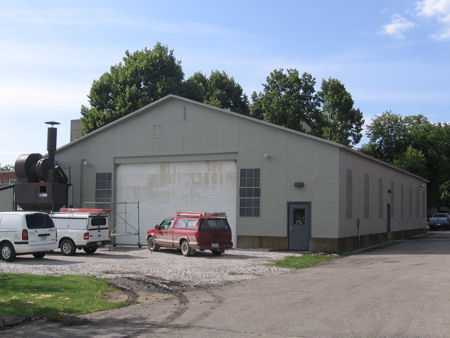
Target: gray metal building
{"type": "Point", "coordinates": [281, 189]}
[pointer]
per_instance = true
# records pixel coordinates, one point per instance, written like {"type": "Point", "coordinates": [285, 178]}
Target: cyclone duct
{"type": "Point", "coordinates": [41, 184]}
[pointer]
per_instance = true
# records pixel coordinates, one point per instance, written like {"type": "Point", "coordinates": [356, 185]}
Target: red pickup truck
{"type": "Point", "coordinates": [190, 231]}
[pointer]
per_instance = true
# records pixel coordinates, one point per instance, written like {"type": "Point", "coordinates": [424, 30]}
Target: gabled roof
{"type": "Point", "coordinates": [221, 110]}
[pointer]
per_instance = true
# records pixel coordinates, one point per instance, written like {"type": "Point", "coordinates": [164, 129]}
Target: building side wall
{"type": "Point", "coordinates": [407, 213]}
{"type": "Point", "coordinates": [181, 131]}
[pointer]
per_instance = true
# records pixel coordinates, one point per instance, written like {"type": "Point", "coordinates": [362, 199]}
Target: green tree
{"type": "Point", "coordinates": [289, 100]}
{"type": "Point", "coordinates": [218, 90]}
{"type": "Point", "coordinates": [387, 137]}
{"type": "Point", "coordinates": [343, 122]}
{"type": "Point", "coordinates": [444, 190]}
{"type": "Point", "coordinates": [412, 160]}
{"type": "Point", "coordinates": [195, 87]}
{"type": "Point", "coordinates": [417, 145]}
{"type": "Point", "coordinates": [143, 77]}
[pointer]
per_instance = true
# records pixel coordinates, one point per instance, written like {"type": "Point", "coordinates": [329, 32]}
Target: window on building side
{"type": "Point", "coordinates": [402, 202]}
{"type": "Point", "coordinates": [349, 194]}
{"type": "Point", "coordinates": [424, 205]}
{"type": "Point", "coordinates": [417, 202]}
{"type": "Point", "coordinates": [380, 197]}
{"type": "Point", "coordinates": [366, 196]}
{"type": "Point", "coordinates": [250, 192]}
{"type": "Point", "coordinates": [392, 199]}
{"type": "Point", "coordinates": [410, 202]}
{"type": "Point", "coordinates": [103, 190]}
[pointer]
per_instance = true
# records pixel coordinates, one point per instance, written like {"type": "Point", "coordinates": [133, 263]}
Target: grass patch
{"type": "Point", "coordinates": [29, 296]}
{"type": "Point", "coordinates": [300, 262]}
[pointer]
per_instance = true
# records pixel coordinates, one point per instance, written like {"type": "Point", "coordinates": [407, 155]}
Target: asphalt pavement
{"type": "Point", "coordinates": [396, 290]}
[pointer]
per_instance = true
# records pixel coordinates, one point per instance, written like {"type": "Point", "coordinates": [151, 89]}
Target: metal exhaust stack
{"type": "Point", "coordinates": [51, 142]}
{"type": "Point", "coordinates": [41, 184]}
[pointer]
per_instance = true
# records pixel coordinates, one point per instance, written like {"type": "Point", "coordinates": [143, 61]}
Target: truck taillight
{"type": "Point", "coordinates": [86, 236]}
{"type": "Point", "coordinates": [24, 235]}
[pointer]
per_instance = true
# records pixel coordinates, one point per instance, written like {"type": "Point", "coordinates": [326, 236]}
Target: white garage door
{"type": "Point", "coordinates": [164, 188]}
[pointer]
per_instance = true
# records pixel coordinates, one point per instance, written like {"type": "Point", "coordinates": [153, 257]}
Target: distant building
{"type": "Point", "coordinates": [7, 177]}
{"type": "Point", "coordinates": [75, 130]}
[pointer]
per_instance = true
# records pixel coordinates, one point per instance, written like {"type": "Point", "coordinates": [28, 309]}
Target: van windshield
{"type": "Point", "coordinates": [217, 224]}
{"type": "Point", "coordinates": [39, 221]}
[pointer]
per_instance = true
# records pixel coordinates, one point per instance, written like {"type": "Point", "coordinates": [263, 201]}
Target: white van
{"type": "Point", "coordinates": [85, 229]}
{"type": "Point", "coordinates": [25, 232]}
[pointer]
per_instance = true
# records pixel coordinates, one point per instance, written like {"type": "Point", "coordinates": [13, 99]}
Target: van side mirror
{"type": "Point", "coordinates": [157, 226]}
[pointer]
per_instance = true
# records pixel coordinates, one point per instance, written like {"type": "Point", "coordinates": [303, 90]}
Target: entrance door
{"type": "Point", "coordinates": [299, 225]}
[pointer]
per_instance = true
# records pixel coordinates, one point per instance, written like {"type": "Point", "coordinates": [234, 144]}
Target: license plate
{"type": "Point", "coordinates": [214, 245]}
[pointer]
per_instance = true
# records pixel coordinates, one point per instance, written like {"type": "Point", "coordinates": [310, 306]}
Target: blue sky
{"type": "Point", "coordinates": [390, 55]}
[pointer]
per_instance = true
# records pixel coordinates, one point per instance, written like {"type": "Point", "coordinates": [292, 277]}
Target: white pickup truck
{"type": "Point", "coordinates": [85, 229]}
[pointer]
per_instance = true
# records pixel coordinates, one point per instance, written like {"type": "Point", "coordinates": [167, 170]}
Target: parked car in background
{"type": "Point", "coordinates": [190, 231]}
{"type": "Point", "coordinates": [85, 229]}
{"type": "Point", "coordinates": [440, 221]}
{"type": "Point", "coordinates": [26, 232]}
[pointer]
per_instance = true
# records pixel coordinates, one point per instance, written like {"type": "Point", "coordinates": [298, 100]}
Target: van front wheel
{"type": "Point", "coordinates": [7, 251]}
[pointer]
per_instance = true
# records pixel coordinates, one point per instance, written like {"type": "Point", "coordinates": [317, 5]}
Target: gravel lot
{"type": "Point", "coordinates": [200, 269]}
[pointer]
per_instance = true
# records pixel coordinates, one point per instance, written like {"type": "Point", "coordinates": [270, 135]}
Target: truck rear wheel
{"type": "Point", "coordinates": [185, 248]}
{"type": "Point", "coordinates": [68, 247]}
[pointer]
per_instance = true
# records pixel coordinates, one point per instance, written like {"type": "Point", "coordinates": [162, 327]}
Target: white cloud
{"type": "Point", "coordinates": [397, 27]}
{"type": "Point", "coordinates": [439, 9]}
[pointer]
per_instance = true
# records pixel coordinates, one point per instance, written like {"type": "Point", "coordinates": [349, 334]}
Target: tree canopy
{"type": "Point", "coordinates": [343, 122]}
{"type": "Point", "coordinates": [289, 100]}
{"type": "Point", "coordinates": [143, 77]}
{"type": "Point", "coordinates": [148, 75]}
{"type": "Point", "coordinates": [218, 90]}
{"type": "Point", "coordinates": [415, 144]}
{"type": "Point", "coordinates": [387, 137]}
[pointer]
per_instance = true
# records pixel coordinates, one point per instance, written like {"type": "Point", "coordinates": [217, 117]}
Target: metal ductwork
{"type": "Point", "coordinates": [41, 184]}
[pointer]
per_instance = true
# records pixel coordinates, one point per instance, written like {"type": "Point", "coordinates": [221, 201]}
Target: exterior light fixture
{"type": "Point", "coordinates": [299, 184]}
